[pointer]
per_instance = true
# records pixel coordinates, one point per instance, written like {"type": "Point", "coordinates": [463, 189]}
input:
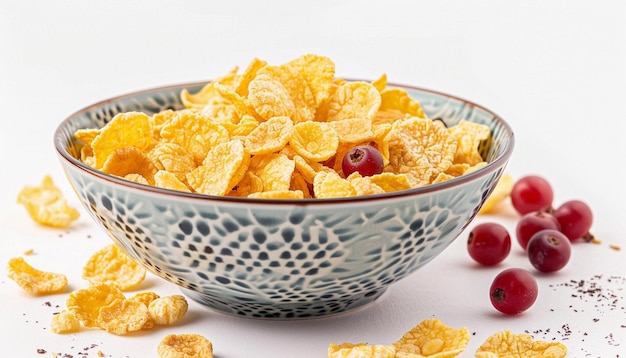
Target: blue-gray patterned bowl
{"type": "Point", "coordinates": [281, 259]}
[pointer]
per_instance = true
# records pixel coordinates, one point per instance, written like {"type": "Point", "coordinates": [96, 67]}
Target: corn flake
{"type": "Point", "coordinates": [353, 130]}
{"type": "Point", "coordinates": [269, 98]}
{"type": "Point", "coordinates": [173, 158]}
{"type": "Point", "coordinates": [269, 136]}
{"type": "Point", "coordinates": [220, 166]}
{"type": "Point", "coordinates": [168, 180]}
{"type": "Point", "coordinates": [34, 281]}
{"type": "Point", "coordinates": [131, 129]}
{"type": "Point", "coordinates": [46, 205]}
{"type": "Point", "coordinates": [167, 310]}
{"type": "Point", "coordinates": [194, 132]}
{"type": "Point", "coordinates": [432, 338]}
{"type": "Point", "coordinates": [354, 100]}
{"type": "Point", "coordinates": [419, 148]}
{"type": "Point", "coordinates": [468, 136]}
{"type": "Point", "coordinates": [274, 170]}
{"type": "Point", "coordinates": [144, 297]}
{"type": "Point", "coordinates": [86, 303]}
{"type": "Point", "coordinates": [297, 88]}
{"type": "Point", "coordinates": [364, 185]}
{"type": "Point", "coordinates": [331, 185]}
{"type": "Point", "coordinates": [398, 101]}
{"type": "Point", "coordinates": [361, 350]}
{"type": "Point", "coordinates": [318, 72]}
{"type": "Point", "coordinates": [507, 344]}
{"type": "Point", "coordinates": [207, 94]}
{"type": "Point", "coordinates": [250, 183]}
{"type": "Point", "coordinates": [391, 182]}
{"type": "Point", "coordinates": [122, 316]}
{"type": "Point", "coordinates": [111, 265]}
{"type": "Point", "coordinates": [185, 345]}
{"type": "Point", "coordinates": [130, 160]}
{"type": "Point", "coordinates": [315, 141]}
{"type": "Point", "coordinates": [278, 194]}
{"type": "Point", "coordinates": [65, 322]}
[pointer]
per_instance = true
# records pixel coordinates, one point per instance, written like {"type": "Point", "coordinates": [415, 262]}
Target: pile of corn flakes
{"type": "Point", "coordinates": [104, 305]}
{"type": "Point", "coordinates": [432, 338]}
{"type": "Point", "coordinates": [282, 132]}
{"type": "Point", "coordinates": [109, 271]}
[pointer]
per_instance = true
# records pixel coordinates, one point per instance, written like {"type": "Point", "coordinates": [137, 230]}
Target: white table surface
{"type": "Point", "coordinates": [555, 70]}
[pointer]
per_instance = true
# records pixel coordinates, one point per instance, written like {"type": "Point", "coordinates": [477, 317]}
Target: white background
{"type": "Point", "coordinates": [555, 70]}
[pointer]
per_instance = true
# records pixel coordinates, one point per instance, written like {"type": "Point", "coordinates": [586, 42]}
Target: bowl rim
{"type": "Point", "coordinates": [61, 145]}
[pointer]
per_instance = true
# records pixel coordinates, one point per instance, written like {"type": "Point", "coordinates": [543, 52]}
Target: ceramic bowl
{"type": "Point", "coordinates": [281, 259]}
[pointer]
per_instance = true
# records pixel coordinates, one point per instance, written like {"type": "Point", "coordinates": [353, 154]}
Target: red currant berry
{"type": "Point", "coordinates": [531, 193]}
{"type": "Point", "coordinates": [489, 243]}
{"type": "Point", "coordinates": [513, 291]}
{"type": "Point", "coordinates": [575, 218]}
{"type": "Point", "coordinates": [533, 222]}
{"type": "Point", "coordinates": [549, 250]}
{"type": "Point", "coordinates": [364, 159]}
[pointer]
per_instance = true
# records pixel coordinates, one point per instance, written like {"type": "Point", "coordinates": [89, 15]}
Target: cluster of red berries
{"type": "Point", "coordinates": [543, 232]}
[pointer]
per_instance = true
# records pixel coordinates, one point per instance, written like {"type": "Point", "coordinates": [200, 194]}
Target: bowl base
{"type": "Point", "coordinates": [286, 311]}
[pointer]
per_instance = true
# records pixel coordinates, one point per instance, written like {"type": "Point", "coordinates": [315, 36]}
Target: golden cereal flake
{"type": "Point", "coordinates": [65, 322]}
{"type": "Point", "coordinates": [168, 310]}
{"type": "Point", "coordinates": [399, 101]}
{"type": "Point", "coordinates": [86, 136]}
{"type": "Point", "coordinates": [269, 136]}
{"type": "Point", "coordinates": [242, 81]}
{"type": "Point", "coordinates": [506, 344]}
{"type": "Point", "coordinates": [353, 130]}
{"type": "Point", "coordinates": [46, 205]}
{"type": "Point", "coordinates": [131, 129]}
{"type": "Point", "coordinates": [220, 166]}
{"type": "Point", "coordinates": [274, 170]}
{"type": "Point", "coordinates": [269, 98]}
{"type": "Point", "coordinates": [113, 266]}
{"type": "Point", "coordinates": [364, 185]}
{"type": "Point", "coordinates": [122, 316]}
{"type": "Point", "coordinates": [331, 185]}
{"type": "Point", "coordinates": [419, 148]}
{"type": "Point", "coordinates": [250, 183]}
{"type": "Point", "coordinates": [315, 141]}
{"type": "Point", "coordinates": [136, 178]}
{"type": "Point", "coordinates": [34, 281]}
{"type": "Point", "coordinates": [173, 158]}
{"type": "Point", "coordinates": [468, 136]}
{"type": "Point", "coordinates": [144, 297]}
{"type": "Point", "coordinates": [196, 133]}
{"type": "Point", "coordinates": [207, 94]}
{"type": "Point", "coordinates": [278, 194]}
{"type": "Point", "coordinates": [308, 169]}
{"type": "Point", "coordinates": [391, 182]}
{"type": "Point", "coordinates": [361, 350]}
{"type": "Point", "coordinates": [354, 100]}
{"type": "Point", "coordinates": [380, 83]}
{"type": "Point", "coordinates": [158, 120]}
{"type": "Point", "coordinates": [432, 338]}
{"type": "Point", "coordinates": [297, 88]}
{"type": "Point", "coordinates": [245, 126]}
{"type": "Point", "coordinates": [86, 303]}
{"type": "Point", "coordinates": [318, 72]}
{"type": "Point", "coordinates": [168, 180]}
{"type": "Point", "coordinates": [130, 160]}
{"type": "Point", "coordinates": [185, 345]}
